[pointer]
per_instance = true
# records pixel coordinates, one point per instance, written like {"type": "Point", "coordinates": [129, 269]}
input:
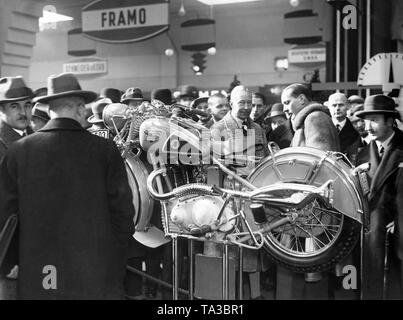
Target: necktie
{"type": "Point", "coordinates": [245, 128]}
{"type": "Point", "coordinates": [364, 143]}
{"type": "Point", "coordinates": [338, 127]}
{"type": "Point", "coordinates": [381, 152]}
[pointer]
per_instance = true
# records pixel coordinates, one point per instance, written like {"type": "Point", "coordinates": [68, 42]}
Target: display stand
{"type": "Point", "coordinates": [225, 285]}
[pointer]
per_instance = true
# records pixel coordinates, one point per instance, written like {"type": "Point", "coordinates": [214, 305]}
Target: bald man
{"type": "Point", "coordinates": [348, 136]}
{"type": "Point", "coordinates": [237, 135]}
{"type": "Point", "coordinates": [237, 125]}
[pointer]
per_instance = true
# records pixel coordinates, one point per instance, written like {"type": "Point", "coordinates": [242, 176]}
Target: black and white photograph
{"type": "Point", "coordinates": [196, 157]}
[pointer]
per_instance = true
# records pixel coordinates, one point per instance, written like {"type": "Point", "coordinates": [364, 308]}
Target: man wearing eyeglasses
{"type": "Point", "coordinates": [15, 111]}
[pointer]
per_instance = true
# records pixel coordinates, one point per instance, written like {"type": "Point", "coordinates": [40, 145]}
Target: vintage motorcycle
{"type": "Point", "coordinates": [304, 207]}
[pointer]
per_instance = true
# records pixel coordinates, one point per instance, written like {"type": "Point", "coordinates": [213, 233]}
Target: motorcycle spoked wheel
{"type": "Point", "coordinates": [317, 242]}
{"type": "Point", "coordinates": [333, 231]}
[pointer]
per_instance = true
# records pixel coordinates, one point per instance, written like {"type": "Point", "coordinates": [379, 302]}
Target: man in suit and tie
{"type": "Point", "coordinates": [15, 116]}
{"type": "Point", "coordinates": [348, 136]}
{"type": "Point", "coordinates": [15, 111]}
{"type": "Point", "coordinates": [236, 134]}
{"type": "Point", "coordinates": [384, 155]}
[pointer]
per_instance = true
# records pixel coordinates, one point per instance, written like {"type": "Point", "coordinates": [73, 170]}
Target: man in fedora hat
{"type": "Point", "coordinates": [201, 104]}
{"type": "Point", "coordinates": [15, 116]}
{"type": "Point", "coordinates": [111, 93]}
{"type": "Point", "coordinates": [162, 94]}
{"type": "Point", "coordinates": [281, 132]}
{"type": "Point", "coordinates": [384, 155]}
{"type": "Point", "coordinates": [98, 126]}
{"type": "Point", "coordinates": [133, 97]}
{"type": "Point", "coordinates": [15, 111]}
{"type": "Point", "coordinates": [186, 94]}
{"type": "Point", "coordinates": [40, 116]}
{"type": "Point", "coordinates": [70, 191]}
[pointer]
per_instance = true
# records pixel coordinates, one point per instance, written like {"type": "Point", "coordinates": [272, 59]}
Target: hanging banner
{"type": "Point", "coordinates": [125, 21]}
{"type": "Point", "coordinates": [90, 66]}
{"type": "Point", "coordinates": [307, 55]}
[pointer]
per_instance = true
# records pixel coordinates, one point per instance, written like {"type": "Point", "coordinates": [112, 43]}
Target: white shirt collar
{"type": "Point", "coordinates": [20, 132]}
{"type": "Point", "coordinates": [341, 124]}
{"type": "Point", "coordinates": [386, 143]}
{"type": "Point", "coordinates": [368, 138]}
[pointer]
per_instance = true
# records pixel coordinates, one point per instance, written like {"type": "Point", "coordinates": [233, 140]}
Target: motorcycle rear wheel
{"type": "Point", "coordinates": [316, 244]}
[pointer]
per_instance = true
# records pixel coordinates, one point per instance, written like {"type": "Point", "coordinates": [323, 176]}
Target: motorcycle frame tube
{"type": "Point", "coordinates": [175, 280]}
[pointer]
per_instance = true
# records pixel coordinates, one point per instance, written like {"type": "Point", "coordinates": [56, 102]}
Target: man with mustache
{"type": "Point", "coordinates": [15, 116]}
{"type": "Point", "coordinates": [385, 158]}
{"type": "Point", "coordinates": [15, 111]}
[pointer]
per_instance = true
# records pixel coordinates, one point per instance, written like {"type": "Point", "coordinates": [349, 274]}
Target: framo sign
{"type": "Point", "coordinates": [126, 20]}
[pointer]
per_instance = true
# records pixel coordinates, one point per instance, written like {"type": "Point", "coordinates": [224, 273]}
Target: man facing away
{"type": "Point", "coordinates": [70, 192]}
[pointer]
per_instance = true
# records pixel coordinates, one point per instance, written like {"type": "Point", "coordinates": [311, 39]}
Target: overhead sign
{"type": "Point", "coordinates": [307, 55]}
{"type": "Point", "coordinates": [86, 67]}
{"type": "Point", "coordinates": [125, 21]}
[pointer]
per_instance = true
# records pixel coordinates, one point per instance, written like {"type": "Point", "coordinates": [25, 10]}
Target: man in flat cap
{"type": "Point", "coordinates": [384, 156]}
{"type": "Point", "coordinates": [70, 191]}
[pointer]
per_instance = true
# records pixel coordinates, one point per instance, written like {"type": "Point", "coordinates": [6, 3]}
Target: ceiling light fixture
{"type": "Point", "coordinates": [182, 10]}
{"type": "Point", "coordinates": [51, 17]}
{"type": "Point", "coordinates": [219, 2]}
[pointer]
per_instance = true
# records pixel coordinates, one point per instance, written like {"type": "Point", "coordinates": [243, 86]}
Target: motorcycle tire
{"type": "Point", "coordinates": [321, 235]}
{"type": "Point", "coordinates": [337, 252]}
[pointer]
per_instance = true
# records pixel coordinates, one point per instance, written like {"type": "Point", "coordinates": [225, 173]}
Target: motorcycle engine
{"type": "Point", "coordinates": [199, 215]}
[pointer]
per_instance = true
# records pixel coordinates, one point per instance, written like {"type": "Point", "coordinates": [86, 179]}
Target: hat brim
{"type": "Point", "coordinates": [276, 114]}
{"type": "Point", "coordinates": [362, 114]}
{"type": "Point", "coordinates": [16, 99]}
{"type": "Point", "coordinates": [89, 96]}
{"type": "Point", "coordinates": [131, 99]}
{"type": "Point", "coordinates": [94, 119]}
{"type": "Point", "coordinates": [39, 117]}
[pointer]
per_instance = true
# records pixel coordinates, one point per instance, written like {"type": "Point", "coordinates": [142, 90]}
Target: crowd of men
{"type": "Point", "coordinates": [71, 195]}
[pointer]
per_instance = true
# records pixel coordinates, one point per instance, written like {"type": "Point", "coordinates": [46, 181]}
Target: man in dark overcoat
{"type": "Point", "coordinates": [70, 191]}
{"type": "Point", "coordinates": [348, 136]}
{"type": "Point", "coordinates": [384, 155]}
{"type": "Point", "coordinates": [15, 116]}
